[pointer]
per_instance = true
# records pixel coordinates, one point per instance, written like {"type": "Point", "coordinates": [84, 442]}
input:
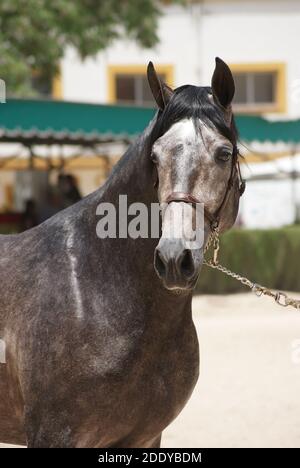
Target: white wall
{"type": "Point", "coordinates": [254, 32]}
{"type": "Point", "coordinates": [269, 203]}
{"type": "Point", "coordinates": [88, 81]}
{"type": "Point", "coordinates": [237, 31]}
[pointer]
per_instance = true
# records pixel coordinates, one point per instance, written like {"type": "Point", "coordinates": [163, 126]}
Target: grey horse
{"type": "Point", "coordinates": [100, 346]}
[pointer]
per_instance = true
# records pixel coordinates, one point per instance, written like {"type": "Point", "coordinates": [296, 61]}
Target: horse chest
{"type": "Point", "coordinates": [165, 383]}
{"type": "Point", "coordinates": [147, 387]}
{"type": "Point", "coordinates": [172, 381]}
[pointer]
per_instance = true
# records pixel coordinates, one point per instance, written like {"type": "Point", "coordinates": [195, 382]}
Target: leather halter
{"type": "Point", "coordinates": [188, 198]}
{"type": "Point", "coordinates": [213, 219]}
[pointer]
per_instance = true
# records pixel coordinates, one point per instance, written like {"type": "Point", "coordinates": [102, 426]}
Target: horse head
{"type": "Point", "coordinates": [195, 156]}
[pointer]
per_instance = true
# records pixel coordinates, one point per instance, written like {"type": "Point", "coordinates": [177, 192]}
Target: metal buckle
{"type": "Point", "coordinates": [216, 253]}
{"type": "Point", "coordinates": [257, 289]}
{"type": "Point", "coordinates": [280, 296]}
{"type": "Point", "coordinates": [214, 224]}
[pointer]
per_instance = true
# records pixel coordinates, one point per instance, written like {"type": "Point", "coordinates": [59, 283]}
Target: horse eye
{"type": "Point", "coordinates": [224, 154]}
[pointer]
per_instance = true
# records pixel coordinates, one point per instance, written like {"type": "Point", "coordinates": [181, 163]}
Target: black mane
{"type": "Point", "coordinates": [193, 102]}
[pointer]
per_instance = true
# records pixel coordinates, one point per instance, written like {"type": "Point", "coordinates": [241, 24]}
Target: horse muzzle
{"type": "Point", "coordinates": [177, 266]}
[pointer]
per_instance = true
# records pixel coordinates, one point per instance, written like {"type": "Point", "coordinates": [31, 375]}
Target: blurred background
{"type": "Point", "coordinates": [74, 94]}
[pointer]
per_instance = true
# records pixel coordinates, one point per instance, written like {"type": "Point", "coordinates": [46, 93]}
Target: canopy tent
{"type": "Point", "coordinates": [60, 122]}
{"type": "Point", "coordinates": [38, 121]}
{"type": "Point", "coordinates": [43, 134]}
{"type": "Point", "coordinates": [81, 126]}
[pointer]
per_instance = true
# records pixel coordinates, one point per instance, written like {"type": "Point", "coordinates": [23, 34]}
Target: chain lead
{"type": "Point", "coordinates": [279, 297]}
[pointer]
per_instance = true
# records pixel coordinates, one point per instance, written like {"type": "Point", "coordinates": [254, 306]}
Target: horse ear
{"type": "Point", "coordinates": [161, 92]}
{"type": "Point", "coordinates": [222, 84]}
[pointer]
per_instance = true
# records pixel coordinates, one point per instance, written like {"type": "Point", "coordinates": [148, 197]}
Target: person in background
{"type": "Point", "coordinates": [73, 194]}
{"type": "Point", "coordinates": [52, 205]}
{"type": "Point", "coordinates": [29, 217]}
{"type": "Point", "coordinates": [68, 189]}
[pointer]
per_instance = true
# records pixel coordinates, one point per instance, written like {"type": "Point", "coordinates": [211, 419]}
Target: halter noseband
{"type": "Point", "coordinates": [188, 198]}
{"type": "Point", "coordinates": [213, 219]}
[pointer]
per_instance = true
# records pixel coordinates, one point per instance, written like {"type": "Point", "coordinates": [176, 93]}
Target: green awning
{"type": "Point", "coordinates": [41, 121]}
{"type": "Point", "coordinates": [252, 128]}
{"type": "Point", "coordinates": [46, 121]}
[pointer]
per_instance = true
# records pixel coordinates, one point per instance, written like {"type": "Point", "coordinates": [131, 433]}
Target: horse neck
{"type": "Point", "coordinates": [133, 175]}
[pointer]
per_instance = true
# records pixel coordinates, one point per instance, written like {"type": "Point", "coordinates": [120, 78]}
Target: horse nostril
{"type": "Point", "coordinates": [160, 264]}
{"type": "Point", "coordinates": [186, 264]}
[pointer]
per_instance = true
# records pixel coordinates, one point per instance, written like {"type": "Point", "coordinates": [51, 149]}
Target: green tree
{"type": "Point", "coordinates": [35, 33]}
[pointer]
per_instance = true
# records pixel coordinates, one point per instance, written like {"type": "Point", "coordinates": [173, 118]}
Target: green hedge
{"type": "Point", "coordinates": [269, 257]}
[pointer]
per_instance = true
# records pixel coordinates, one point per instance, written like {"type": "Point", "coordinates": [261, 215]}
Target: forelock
{"type": "Point", "coordinates": [196, 103]}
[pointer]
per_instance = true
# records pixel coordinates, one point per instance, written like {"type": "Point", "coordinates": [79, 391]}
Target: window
{"type": "Point", "coordinates": [129, 84]}
{"type": "Point", "coordinates": [260, 88]}
{"type": "Point", "coordinates": [134, 89]}
{"type": "Point", "coordinates": [46, 87]}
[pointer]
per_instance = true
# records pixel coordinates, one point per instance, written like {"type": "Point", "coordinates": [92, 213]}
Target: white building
{"type": "Point", "coordinates": [258, 39]}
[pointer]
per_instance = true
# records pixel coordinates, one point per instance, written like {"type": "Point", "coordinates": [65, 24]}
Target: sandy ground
{"type": "Point", "coordinates": [248, 394]}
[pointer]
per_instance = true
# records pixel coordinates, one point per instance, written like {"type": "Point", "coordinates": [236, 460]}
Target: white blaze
{"type": "Point", "coordinates": [2, 352]}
